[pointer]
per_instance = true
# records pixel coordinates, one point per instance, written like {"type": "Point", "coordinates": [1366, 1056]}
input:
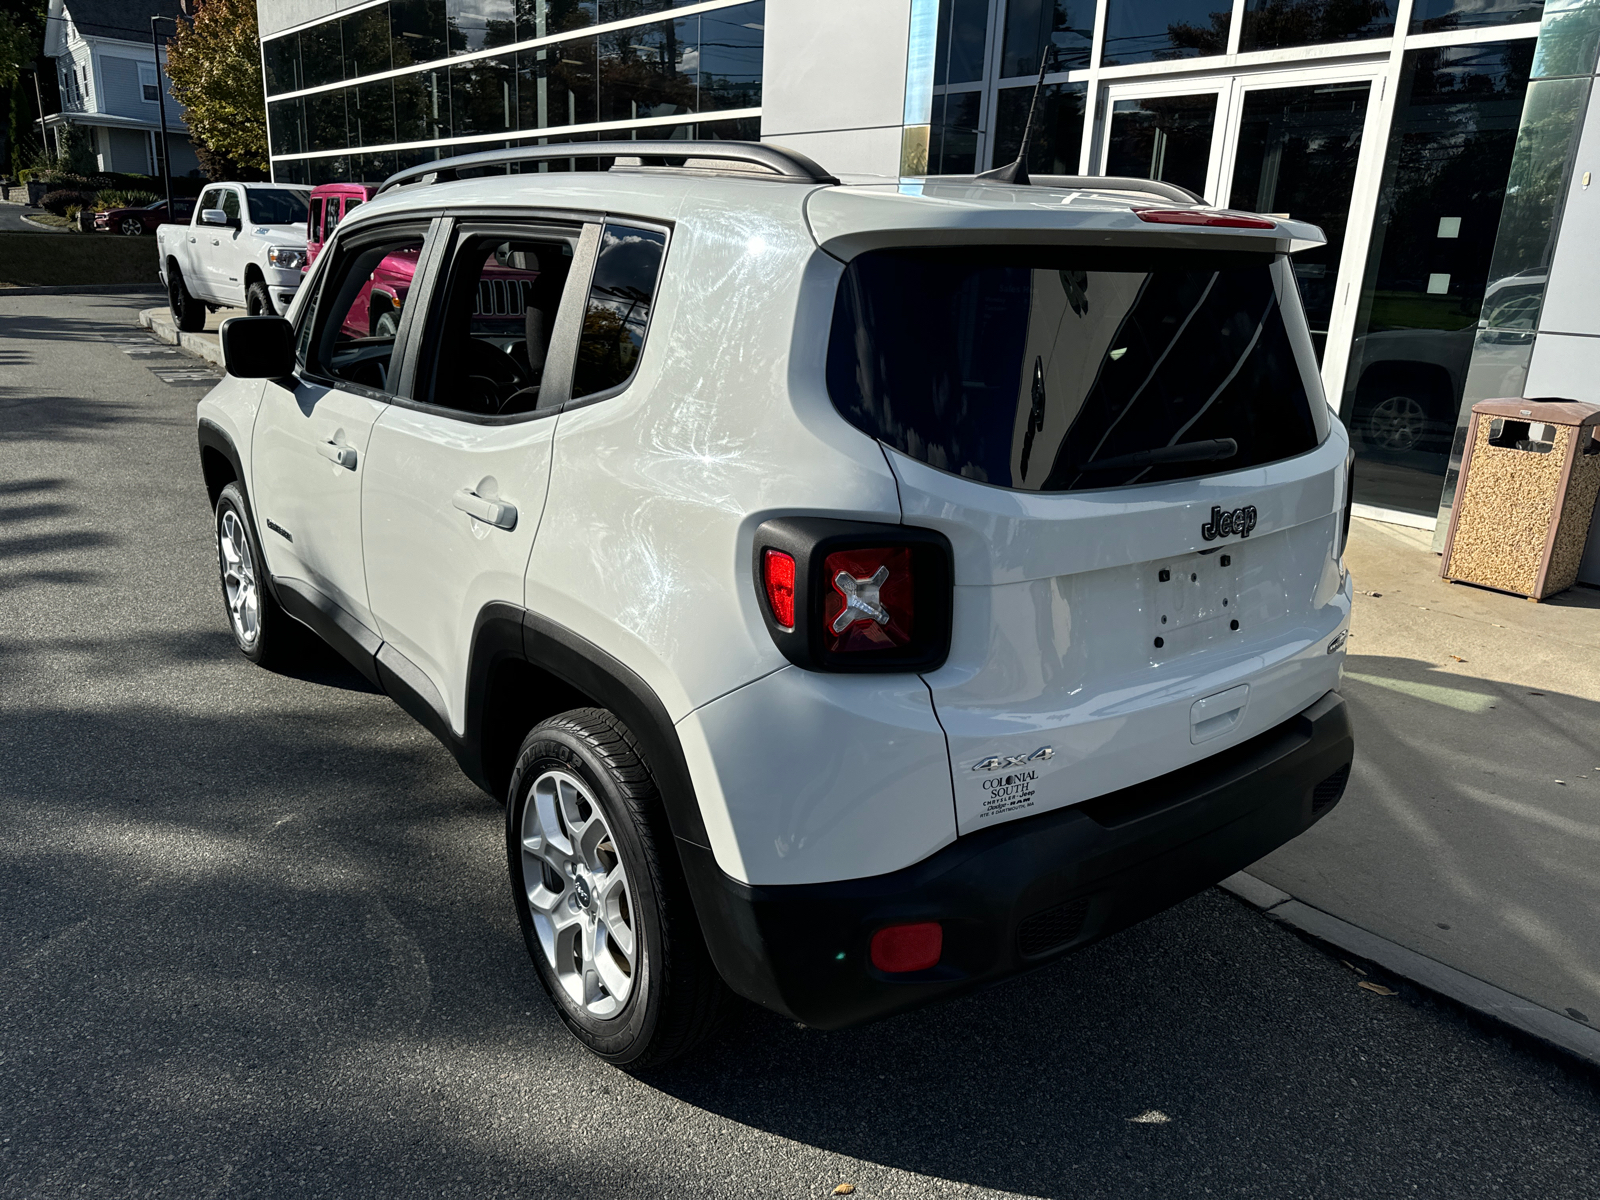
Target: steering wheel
{"type": "Point", "coordinates": [493, 376]}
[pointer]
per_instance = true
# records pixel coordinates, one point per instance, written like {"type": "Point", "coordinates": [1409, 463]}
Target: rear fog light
{"type": "Point", "coordinates": [902, 948]}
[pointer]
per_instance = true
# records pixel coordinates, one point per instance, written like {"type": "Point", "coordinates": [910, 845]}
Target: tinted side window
{"type": "Point", "coordinates": [493, 333]}
{"type": "Point", "coordinates": [230, 204]}
{"type": "Point", "coordinates": [618, 309]}
{"type": "Point", "coordinates": [359, 308]}
{"type": "Point", "coordinates": [212, 198]}
{"type": "Point", "coordinates": [314, 222]}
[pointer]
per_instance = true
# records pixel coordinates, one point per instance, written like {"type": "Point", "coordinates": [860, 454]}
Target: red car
{"type": "Point", "coordinates": [135, 221]}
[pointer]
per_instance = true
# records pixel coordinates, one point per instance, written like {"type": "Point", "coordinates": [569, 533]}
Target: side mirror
{"type": "Point", "coordinates": [213, 216]}
{"type": "Point", "coordinates": [258, 347]}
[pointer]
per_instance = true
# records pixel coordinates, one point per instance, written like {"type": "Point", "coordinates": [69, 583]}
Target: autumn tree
{"type": "Point", "coordinates": [215, 64]}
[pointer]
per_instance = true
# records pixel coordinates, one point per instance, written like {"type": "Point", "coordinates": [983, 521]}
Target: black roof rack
{"type": "Point", "coordinates": [777, 162]}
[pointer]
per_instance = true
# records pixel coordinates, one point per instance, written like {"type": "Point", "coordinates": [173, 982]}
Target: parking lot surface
{"type": "Point", "coordinates": [259, 942]}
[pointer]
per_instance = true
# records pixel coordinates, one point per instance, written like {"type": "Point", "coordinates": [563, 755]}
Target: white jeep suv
{"type": "Point", "coordinates": [858, 594]}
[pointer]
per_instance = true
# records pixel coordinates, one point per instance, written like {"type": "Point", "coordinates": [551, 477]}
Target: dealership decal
{"type": "Point", "coordinates": [1007, 793]}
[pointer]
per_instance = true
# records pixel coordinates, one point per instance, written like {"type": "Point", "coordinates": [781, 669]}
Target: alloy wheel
{"type": "Point", "coordinates": [578, 894]}
{"type": "Point", "coordinates": [132, 226]}
{"type": "Point", "coordinates": [1397, 423]}
{"type": "Point", "coordinates": [239, 578]}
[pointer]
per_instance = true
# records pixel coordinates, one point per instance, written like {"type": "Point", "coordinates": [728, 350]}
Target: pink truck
{"type": "Point", "coordinates": [503, 290]}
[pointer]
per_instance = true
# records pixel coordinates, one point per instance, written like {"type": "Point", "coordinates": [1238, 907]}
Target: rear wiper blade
{"type": "Point", "coordinates": [1206, 451]}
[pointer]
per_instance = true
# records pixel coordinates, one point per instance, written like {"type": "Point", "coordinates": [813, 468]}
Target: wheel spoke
{"type": "Point", "coordinates": [617, 981]}
{"type": "Point", "coordinates": [616, 911]}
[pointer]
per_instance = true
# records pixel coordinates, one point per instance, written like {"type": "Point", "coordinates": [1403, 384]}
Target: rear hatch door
{"type": "Point", "coordinates": [1129, 450]}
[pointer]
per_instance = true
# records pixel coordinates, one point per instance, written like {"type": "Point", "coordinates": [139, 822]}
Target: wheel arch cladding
{"type": "Point", "coordinates": [526, 668]}
{"type": "Point", "coordinates": [219, 462]}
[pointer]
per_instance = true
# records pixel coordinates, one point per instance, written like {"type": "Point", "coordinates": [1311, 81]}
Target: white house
{"type": "Point", "coordinates": [107, 72]}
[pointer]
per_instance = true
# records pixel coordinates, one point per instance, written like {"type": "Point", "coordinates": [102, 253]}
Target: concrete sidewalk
{"type": "Point", "coordinates": [1470, 833]}
{"type": "Point", "coordinates": [204, 343]}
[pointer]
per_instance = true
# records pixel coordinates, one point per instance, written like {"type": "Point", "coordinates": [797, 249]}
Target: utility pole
{"type": "Point", "coordinates": [161, 97]}
{"type": "Point", "coordinates": [38, 97]}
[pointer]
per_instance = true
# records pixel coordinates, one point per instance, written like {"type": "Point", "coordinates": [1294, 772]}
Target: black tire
{"type": "Point", "coordinates": [676, 996]}
{"type": "Point", "coordinates": [387, 324]}
{"type": "Point", "coordinates": [262, 631]}
{"type": "Point", "coordinates": [258, 301]}
{"type": "Point", "coordinates": [188, 314]}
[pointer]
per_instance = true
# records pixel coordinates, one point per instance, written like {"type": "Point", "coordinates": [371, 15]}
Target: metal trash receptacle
{"type": "Point", "coordinates": [1525, 497]}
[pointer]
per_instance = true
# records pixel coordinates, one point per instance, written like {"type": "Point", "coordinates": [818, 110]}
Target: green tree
{"type": "Point", "coordinates": [215, 65]}
{"type": "Point", "coordinates": [21, 44]}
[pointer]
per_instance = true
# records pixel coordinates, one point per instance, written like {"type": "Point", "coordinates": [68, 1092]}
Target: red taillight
{"type": "Point", "coordinates": [1183, 216]}
{"type": "Point", "coordinates": [870, 600]}
{"type": "Point", "coordinates": [778, 568]}
{"type": "Point", "coordinates": [902, 948]}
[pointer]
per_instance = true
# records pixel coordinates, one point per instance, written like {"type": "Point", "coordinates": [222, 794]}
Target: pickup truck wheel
{"type": "Point", "coordinates": [264, 633]}
{"type": "Point", "coordinates": [258, 302]}
{"type": "Point", "coordinates": [187, 313]}
{"type": "Point", "coordinates": [598, 889]}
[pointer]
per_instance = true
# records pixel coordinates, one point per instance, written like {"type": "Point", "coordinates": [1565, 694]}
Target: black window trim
{"type": "Point", "coordinates": [666, 230]}
{"type": "Point", "coordinates": [332, 254]}
{"type": "Point", "coordinates": [563, 338]}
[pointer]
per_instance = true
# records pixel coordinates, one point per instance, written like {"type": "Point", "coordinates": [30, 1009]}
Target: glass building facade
{"type": "Point", "coordinates": [1389, 123]}
{"type": "Point", "coordinates": [387, 85]}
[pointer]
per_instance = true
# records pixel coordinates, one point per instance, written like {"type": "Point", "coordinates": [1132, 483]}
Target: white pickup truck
{"type": "Point", "coordinates": [244, 248]}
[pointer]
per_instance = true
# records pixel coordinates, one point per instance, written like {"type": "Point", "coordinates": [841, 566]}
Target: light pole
{"type": "Point", "coordinates": [161, 97]}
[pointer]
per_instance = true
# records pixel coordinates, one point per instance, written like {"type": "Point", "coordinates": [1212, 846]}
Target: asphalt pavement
{"type": "Point", "coordinates": [11, 219]}
{"type": "Point", "coordinates": [258, 941]}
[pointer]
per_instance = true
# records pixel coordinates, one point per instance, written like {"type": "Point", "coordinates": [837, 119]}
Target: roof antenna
{"type": "Point", "coordinates": [1017, 172]}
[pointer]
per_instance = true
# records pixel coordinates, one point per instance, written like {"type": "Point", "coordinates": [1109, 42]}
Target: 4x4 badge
{"type": "Point", "coordinates": [1222, 524]}
{"type": "Point", "coordinates": [999, 762]}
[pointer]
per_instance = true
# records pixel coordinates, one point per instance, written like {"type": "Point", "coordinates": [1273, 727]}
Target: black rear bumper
{"type": "Point", "coordinates": [1021, 894]}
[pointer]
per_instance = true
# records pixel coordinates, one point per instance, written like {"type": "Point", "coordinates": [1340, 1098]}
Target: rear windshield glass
{"type": "Point", "coordinates": [1050, 369]}
{"type": "Point", "coordinates": [276, 206]}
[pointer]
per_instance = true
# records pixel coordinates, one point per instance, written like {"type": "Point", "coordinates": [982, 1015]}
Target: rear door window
{"type": "Point", "coordinates": [1054, 370]}
{"type": "Point", "coordinates": [491, 338]}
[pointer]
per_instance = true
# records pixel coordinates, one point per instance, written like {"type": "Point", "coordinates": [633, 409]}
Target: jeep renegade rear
{"type": "Point", "coordinates": [858, 594]}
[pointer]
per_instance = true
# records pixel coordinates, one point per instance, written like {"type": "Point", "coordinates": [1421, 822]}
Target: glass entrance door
{"type": "Point", "coordinates": [1168, 134]}
{"type": "Point", "coordinates": [1295, 152]}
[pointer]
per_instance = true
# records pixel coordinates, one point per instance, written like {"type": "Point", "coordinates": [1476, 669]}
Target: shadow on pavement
{"type": "Point", "coordinates": [1470, 831]}
{"type": "Point", "coordinates": [272, 946]}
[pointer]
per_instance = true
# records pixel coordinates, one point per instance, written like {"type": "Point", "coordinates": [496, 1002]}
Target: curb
{"type": "Point", "coordinates": [27, 220]}
{"type": "Point", "coordinates": [85, 289]}
{"type": "Point", "coordinates": [159, 322]}
{"type": "Point", "coordinates": [1531, 1020]}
